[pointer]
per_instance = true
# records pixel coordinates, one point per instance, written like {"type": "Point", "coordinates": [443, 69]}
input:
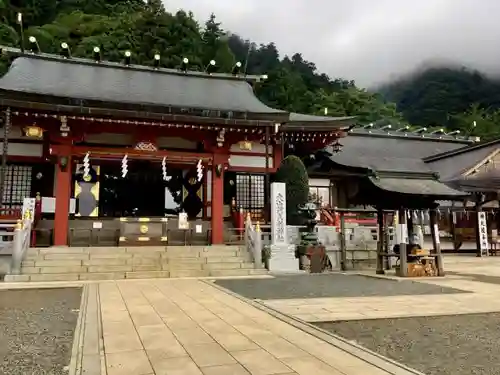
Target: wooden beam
{"type": "Point", "coordinates": [118, 153]}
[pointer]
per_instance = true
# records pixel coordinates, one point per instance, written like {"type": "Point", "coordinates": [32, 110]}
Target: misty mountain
{"type": "Point", "coordinates": [433, 95]}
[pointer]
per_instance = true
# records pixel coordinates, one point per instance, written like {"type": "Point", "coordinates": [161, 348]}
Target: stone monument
{"type": "Point", "coordinates": [282, 254]}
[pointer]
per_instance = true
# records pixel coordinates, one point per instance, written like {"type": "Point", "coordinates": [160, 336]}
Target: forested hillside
{"type": "Point", "coordinates": [437, 97]}
{"type": "Point", "coordinates": [452, 97]}
{"type": "Point", "coordinates": [146, 29]}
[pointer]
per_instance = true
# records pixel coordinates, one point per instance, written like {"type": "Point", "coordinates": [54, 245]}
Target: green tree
{"type": "Point", "coordinates": [294, 174]}
{"type": "Point", "coordinates": [216, 47]}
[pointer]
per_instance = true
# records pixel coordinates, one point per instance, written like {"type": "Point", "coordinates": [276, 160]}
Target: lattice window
{"type": "Point", "coordinates": [17, 185]}
{"type": "Point", "coordinates": [250, 194]}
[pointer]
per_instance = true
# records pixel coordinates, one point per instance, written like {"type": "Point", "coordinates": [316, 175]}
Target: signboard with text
{"type": "Point", "coordinates": [278, 213]}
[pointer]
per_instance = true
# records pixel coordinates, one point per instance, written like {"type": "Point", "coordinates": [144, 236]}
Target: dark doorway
{"type": "Point", "coordinates": [140, 194]}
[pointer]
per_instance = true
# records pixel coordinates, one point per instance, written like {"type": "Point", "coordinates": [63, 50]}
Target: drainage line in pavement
{"type": "Point", "coordinates": [350, 347]}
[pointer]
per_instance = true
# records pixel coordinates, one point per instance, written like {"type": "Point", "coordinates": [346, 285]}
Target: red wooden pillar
{"type": "Point", "coordinates": [278, 155]}
{"type": "Point", "coordinates": [218, 166]}
{"type": "Point", "coordinates": [63, 195]}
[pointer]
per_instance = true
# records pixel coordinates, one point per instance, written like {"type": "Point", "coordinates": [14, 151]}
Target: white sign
{"type": "Point", "coordinates": [436, 231]}
{"type": "Point", "coordinates": [402, 233]}
{"type": "Point", "coordinates": [278, 213]}
{"type": "Point", "coordinates": [183, 221]}
{"type": "Point", "coordinates": [483, 232]}
{"type": "Point", "coordinates": [29, 205]}
{"type": "Point", "coordinates": [198, 228]}
{"type": "Point", "coordinates": [97, 225]}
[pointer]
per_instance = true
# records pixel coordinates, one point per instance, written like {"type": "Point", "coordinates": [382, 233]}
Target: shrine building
{"type": "Point", "coordinates": [102, 141]}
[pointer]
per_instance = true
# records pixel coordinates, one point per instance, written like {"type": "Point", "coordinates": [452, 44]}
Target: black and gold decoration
{"type": "Point", "coordinates": [192, 192]}
{"type": "Point", "coordinates": [143, 231]}
{"type": "Point", "coordinates": [87, 191]}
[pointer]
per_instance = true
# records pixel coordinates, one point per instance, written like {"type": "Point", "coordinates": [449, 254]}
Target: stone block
{"type": "Point", "coordinates": [66, 256]}
{"type": "Point", "coordinates": [179, 265]}
{"type": "Point", "coordinates": [57, 263]}
{"type": "Point", "coordinates": [226, 259]}
{"type": "Point", "coordinates": [105, 262]}
{"type": "Point", "coordinates": [102, 276]}
{"type": "Point", "coordinates": [147, 275]}
{"type": "Point", "coordinates": [146, 267]}
{"type": "Point", "coordinates": [188, 273]}
{"type": "Point", "coordinates": [137, 260]}
{"type": "Point", "coordinates": [111, 256]}
{"type": "Point", "coordinates": [234, 272]}
{"type": "Point", "coordinates": [16, 278]}
{"type": "Point", "coordinates": [106, 269]}
{"type": "Point", "coordinates": [107, 250]}
{"type": "Point", "coordinates": [145, 249]}
{"type": "Point", "coordinates": [61, 270]}
{"type": "Point", "coordinates": [30, 270]}
{"type": "Point", "coordinates": [222, 266]}
{"type": "Point", "coordinates": [63, 250]}
{"type": "Point", "coordinates": [54, 277]}
{"type": "Point", "coordinates": [283, 259]}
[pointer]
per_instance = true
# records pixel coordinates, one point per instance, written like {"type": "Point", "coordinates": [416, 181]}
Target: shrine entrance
{"type": "Point", "coordinates": [145, 193]}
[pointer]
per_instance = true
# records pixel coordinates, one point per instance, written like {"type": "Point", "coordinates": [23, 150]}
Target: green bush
{"type": "Point", "coordinates": [293, 172]}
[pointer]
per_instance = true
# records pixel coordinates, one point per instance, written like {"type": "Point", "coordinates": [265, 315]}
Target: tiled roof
{"type": "Point", "coordinates": [117, 83]}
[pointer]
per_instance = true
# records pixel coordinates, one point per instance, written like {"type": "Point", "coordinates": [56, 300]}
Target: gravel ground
{"type": "Point", "coordinates": [328, 285]}
{"type": "Point", "coordinates": [445, 345]}
{"type": "Point", "coordinates": [36, 330]}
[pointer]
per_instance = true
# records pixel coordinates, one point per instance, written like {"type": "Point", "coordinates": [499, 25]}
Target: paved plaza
{"type": "Point", "coordinates": [196, 327]}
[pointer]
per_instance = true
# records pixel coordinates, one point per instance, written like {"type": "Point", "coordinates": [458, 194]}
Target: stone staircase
{"type": "Point", "coordinates": [110, 263]}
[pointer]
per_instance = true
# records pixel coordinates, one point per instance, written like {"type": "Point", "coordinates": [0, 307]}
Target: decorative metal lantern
{"type": "Point", "coordinates": [33, 131]}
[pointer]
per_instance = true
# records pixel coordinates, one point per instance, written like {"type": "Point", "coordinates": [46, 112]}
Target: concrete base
{"type": "Point", "coordinates": [283, 259]}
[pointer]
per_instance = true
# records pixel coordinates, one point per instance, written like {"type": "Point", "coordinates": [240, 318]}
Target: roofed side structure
{"type": "Point", "coordinates": [453, 164]}
{"type": "Point", "coordinates": [394, 162]}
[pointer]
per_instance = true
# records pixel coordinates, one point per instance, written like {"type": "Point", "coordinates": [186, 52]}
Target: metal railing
{"type": "Point", "coordinates": [253, 241]}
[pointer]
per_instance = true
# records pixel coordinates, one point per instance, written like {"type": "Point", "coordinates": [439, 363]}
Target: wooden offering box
{"type": "Point", "coordinates": [143, 231]}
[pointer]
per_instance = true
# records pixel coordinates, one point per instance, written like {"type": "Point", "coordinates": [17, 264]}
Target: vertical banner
{"type": "Point", "coordinates": [483, 232]}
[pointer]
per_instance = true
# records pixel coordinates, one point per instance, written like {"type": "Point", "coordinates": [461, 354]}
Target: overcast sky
{"type": "Point", "coordinates": [366, 40]}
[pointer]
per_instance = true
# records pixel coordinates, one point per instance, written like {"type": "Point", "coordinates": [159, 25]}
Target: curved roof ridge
{"type": "Point", "coordinates": [50, 77]}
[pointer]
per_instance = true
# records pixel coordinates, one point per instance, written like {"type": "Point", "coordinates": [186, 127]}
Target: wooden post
{"type": "Point", "coordinates": [477, 209]}
{"type": "Point", "coordinates": [267, 180]}
{"type": "Point", "coordinates": [217, 219]}
{"type": "Point", "coordinates": [5, 150]}
{"type": "Point", "coordinates": [403, 264]}
{"type": "Point", "coordinates": [63, 196]}
{"type": "Point", "coordinates": [380, 244]}
{"type": "Point", "coordinates": [343, 250]}
{"type": "Point", "coordinates": [435, 242]}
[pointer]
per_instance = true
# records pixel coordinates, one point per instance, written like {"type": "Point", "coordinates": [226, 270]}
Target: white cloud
{"type": "Point", "coordinates": [365, 40]}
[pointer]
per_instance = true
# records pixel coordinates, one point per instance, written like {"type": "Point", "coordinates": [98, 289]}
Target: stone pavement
{"type": "Point", "coordinates": [483, 299]}
{"type": "Point", "coordinates": [191, 327]}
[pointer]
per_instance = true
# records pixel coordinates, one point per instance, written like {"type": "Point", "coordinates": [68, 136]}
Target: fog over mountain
{"type": "Point", "coordinates": [369, 41]}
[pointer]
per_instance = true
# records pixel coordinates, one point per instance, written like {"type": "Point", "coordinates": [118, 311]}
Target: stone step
{"type": "Point", "coordinates": [133, 275]}
{"type": "Point", "coordinates": [47, 268]}
{"type": "Point", "coordinates": [108, 263]}
{"type": "Point", "coordinates": [131, 253]}
{"type": "Point", "coordinates": [135, 249]}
